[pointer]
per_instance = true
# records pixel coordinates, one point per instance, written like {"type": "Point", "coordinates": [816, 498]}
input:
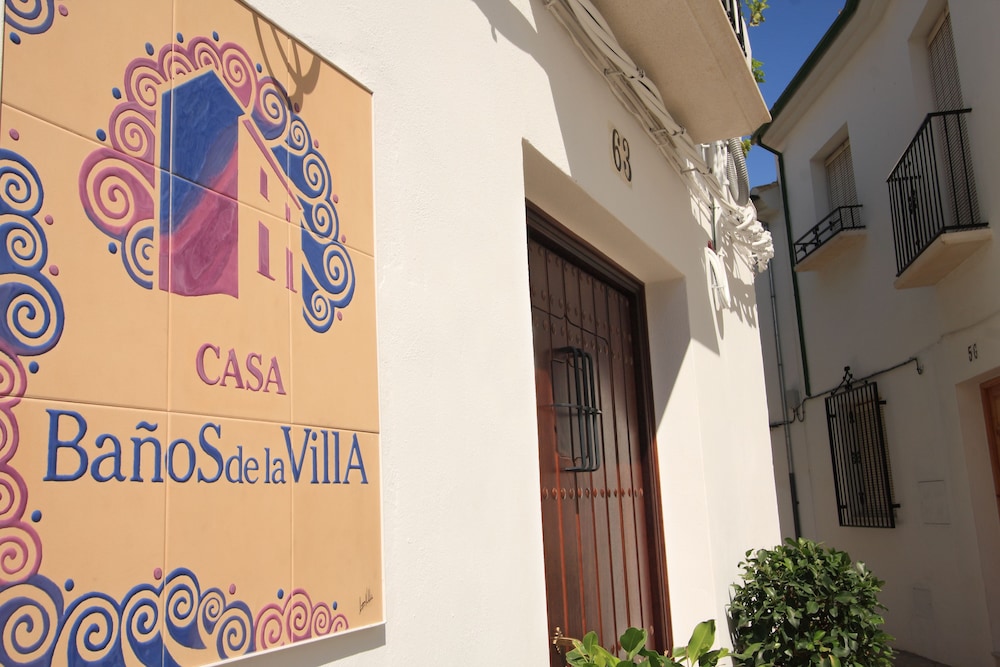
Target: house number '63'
{"type": "Point", "coordinates": [620, 154]}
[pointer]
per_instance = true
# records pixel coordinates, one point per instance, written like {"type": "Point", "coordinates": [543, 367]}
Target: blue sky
{"type": "Point", "coordinates": [790, 31]}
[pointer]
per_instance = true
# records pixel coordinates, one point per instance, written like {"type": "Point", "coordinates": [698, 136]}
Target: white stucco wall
{"type": "Point", "coordinates": [940, 562]}
{"type": "Point", "coordinates": [478, 105]}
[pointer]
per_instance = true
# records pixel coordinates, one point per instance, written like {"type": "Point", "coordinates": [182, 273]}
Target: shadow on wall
{"type": "Point", "coordinates": [547, 46]}
{"type": "Point", "coordinates": [302, 65]}
{"type": "Point", "coordinates": [742, 297]}
{"type": "Point", "coordinates": [668, 314]}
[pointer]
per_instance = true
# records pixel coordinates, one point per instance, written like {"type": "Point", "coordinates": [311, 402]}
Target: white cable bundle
{"type": "Point", "coordinates": [640, 96]}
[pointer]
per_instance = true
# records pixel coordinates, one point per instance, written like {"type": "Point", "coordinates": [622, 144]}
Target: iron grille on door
{"type": "Point", "coordinates": [584, 435]}
{"type": "Point", "coordinates": [861, 471]}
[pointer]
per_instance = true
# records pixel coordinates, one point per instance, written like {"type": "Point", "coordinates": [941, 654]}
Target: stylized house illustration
{"type": "Point", "coordinates": [374, 333]}
{"type": "Point", "coordinates": [882, 385]}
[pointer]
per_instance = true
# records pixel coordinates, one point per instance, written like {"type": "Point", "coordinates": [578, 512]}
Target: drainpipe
{"type": "Point", "coordinates": [784, 407]}
{"type": "Point", "coordinates": [791, 259]}
{"type": "Point", "coordinates": [786, 425]}
{"type": "Point", "coordinates": [850, 7]}
{"type": "Point", "coordinates": [846, 14]}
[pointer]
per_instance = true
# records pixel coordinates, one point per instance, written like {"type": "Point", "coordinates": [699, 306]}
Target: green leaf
{"type": "Point", "coordinates": [653, 659]}
{"type": "Point", "coordinates": [701, 640]}
{"type": "Point", "coordinates": [605, 658]}
{"type": "Point", "coordinates": [756, 8]}
{"type": "Point", "coordinates": [632, 641]}
{"type": "Point", "coordinates": [577, 657]}
{"type": "Point", "coordinates": [812, 607]}
{"type": "Point", "coordinates": [750, 650]}
{"type": "Point", "coordinates": [711, 659]}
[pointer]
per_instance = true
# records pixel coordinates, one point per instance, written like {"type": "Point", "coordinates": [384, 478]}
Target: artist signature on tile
{"type": "Point", "coordinates": [366, 600]}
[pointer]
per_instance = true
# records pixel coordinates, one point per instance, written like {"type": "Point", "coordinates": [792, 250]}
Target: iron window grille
{"type": "Point", "coordinates": [581, 406]}
{"type": "Point", "coordinates": [932, 189]}
{"type": "Point", "coordinates": [862, 474]}
{"type": "Point", "coordinates": [841, 218]}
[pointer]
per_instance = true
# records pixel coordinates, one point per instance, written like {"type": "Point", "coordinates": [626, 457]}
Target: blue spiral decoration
{"type": "Point", "coordinates": [328, 280]}
{"type": "Point", "coordinates": [31, 309]}
{"type": "Point", "coordinates": [138, 254]}
{"type": "Point", "coordinates": [39, 628]}
{"type": "Point", "coordinates": [30, 16]}
{"type": "Point", "coordinates": [29, 622]}
{"type": "Point", "coordinates": [328, 277]}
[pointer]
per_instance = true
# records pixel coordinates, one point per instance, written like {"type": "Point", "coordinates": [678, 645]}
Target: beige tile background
{"type": "Point", "coordinates": [128, 354]}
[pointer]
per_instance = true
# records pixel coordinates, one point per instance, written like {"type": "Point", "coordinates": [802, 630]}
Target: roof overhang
{"type": "Point", "coordinates": [689, 50]}
{"type": "Point", "coordinates": [841, 41]}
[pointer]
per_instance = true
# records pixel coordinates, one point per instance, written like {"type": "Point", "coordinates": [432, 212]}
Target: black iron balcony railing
{"type": "Point", "coordinates": [733, 9]}
{"type": "Point", "coordinates": [841, 218]}
{"type": "Point", "coordinates": [932, 189]}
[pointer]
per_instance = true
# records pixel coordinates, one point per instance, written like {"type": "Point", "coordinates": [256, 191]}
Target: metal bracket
{"type": "Point", "coordinates": [561, 642]}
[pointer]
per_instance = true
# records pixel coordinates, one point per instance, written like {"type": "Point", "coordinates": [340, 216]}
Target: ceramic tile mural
{"type": "Point", "coordinates": [189, 446]}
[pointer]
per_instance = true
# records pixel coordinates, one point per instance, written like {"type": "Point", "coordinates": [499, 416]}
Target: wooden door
{"type": "Point", "coordinates": [600, 511]}
{"type": "Point", "coordinates": [991, 408]}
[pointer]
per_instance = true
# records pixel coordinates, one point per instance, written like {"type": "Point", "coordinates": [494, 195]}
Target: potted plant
{"type": "Point", "coordinates": [589, 653]}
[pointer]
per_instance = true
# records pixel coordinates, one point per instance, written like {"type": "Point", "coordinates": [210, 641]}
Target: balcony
{"type": "Point", "coordinates": [936, 221]}
{"type": "Point", "coordinates": [832, 236]}
{"type": "Point", "coordinates": [735, 13]}
{"type": "Point", "coordinates": [689, 50]}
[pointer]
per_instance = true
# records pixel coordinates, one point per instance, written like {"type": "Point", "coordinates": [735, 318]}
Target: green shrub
{"type": "Point", "coordinates": [803, 604]}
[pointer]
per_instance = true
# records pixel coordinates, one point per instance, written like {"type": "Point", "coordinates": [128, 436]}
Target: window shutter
{"type": "Point", "coordinates": [840, 177]}
{"type": "Point", "coordinates": [944, 68]}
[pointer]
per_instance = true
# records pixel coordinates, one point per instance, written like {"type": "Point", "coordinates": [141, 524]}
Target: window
{"type": "Point", "coordinates": [862, 475]}
{"type": "Point", "coordinates": [952, 135]}
{"type": "Point", "coordinates": [945, 84]}
{"type": "Point", "coordinates": [840, 177]}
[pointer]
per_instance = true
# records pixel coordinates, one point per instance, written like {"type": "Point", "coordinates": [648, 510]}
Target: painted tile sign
{"type": "Point", "coordinates": [189, 450]}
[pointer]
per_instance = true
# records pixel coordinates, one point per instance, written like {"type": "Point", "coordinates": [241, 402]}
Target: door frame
{"type": "Point", "coordinates": [991, 434]}
{"type": "Point", "coordinates": [545, 230]}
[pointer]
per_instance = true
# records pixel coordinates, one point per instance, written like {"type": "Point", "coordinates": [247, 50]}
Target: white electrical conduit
{"type": "Point", "coordinates": [640, 96]}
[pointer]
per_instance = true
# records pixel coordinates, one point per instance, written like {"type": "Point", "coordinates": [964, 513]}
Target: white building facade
{"type": "Point", "coordinates": [567, 344]}
{"type": "Point", "coordinates": [884, 216]}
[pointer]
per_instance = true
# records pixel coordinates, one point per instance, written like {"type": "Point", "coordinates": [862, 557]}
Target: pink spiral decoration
{"type": "Point", "coordinates": [238, 72]}
{"type": "Point", "coordinates": [204, 54]}
{"type": "Point", "coordinates": [298, 616]}
{"type": "Point", "coordinates": [20, 553]}
{"type": "Point", "coordinates": [13, 380]}
{"type": "Point", "coordinates": [339, 623]}
{"type": "Point", "coordinates": [13, 496]}
{"type": "Point", "coordinates": [294, 620]}
{"type": "Point", "coordinates": [143, 81]}
{"type": "Point", "coordinates": [177, 63]}
{"type": "Point", "coordinates": [322, 620]}
{"type": "Point", "coordinates": [8, 434]}
{"type": "Point", "coordinates": [116, 190]}
{"type": "Point", "coordinates": [270, 628]}
{"type": "Point", "coordinates": [133, 131]}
